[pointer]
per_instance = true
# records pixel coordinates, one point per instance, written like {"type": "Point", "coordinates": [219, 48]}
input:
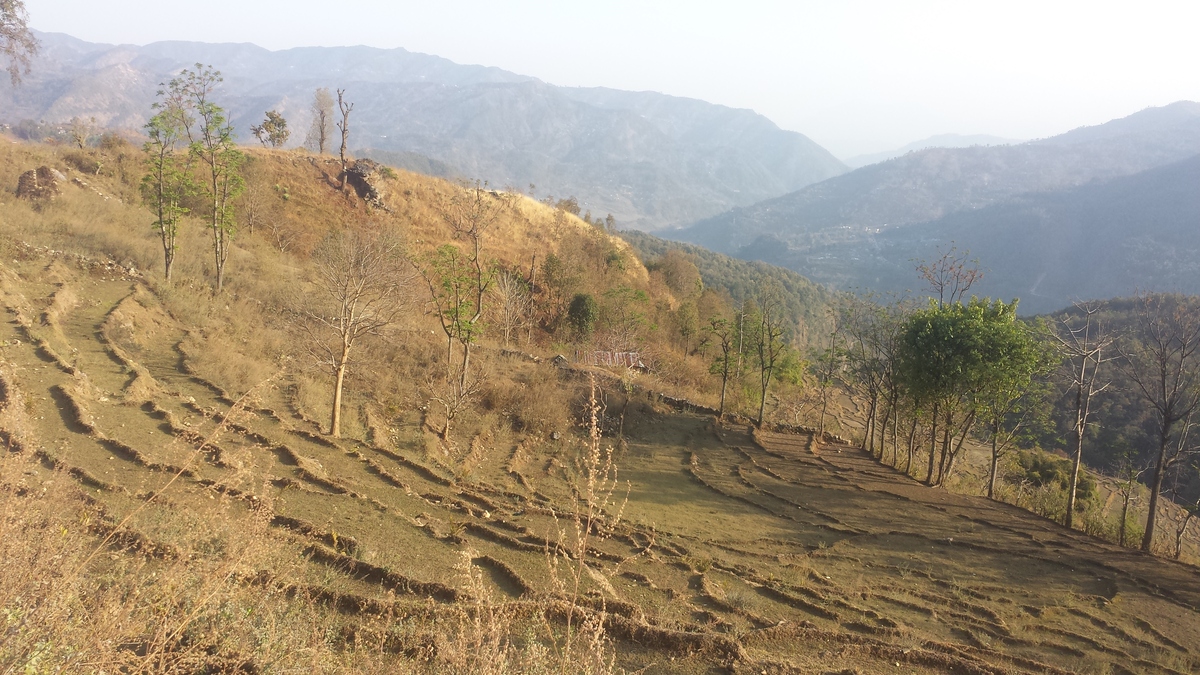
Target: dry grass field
{"type": "Point", "coordinates": [169, 503]}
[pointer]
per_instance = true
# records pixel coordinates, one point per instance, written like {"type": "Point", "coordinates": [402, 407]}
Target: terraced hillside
{"type": "Point", "coordinates": [736, 551]}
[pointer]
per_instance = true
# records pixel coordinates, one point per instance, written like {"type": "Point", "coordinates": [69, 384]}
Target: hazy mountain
{"type": "Point", "coordinates": [939, 141]}
{"type": "Point", "coordinates": [1051, 220]}
{"type": "Point", "coordinates": [928, 184]}
{"type": "Point", "coordinates": [862, 228]}
{"type": "Point", "coordinates": [649, 159]}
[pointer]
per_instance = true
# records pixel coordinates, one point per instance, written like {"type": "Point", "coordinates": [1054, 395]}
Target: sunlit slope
{"type": "Point", "coordinates": [183, 427]}
{"type": "Point", "coordinates": [770, 551]}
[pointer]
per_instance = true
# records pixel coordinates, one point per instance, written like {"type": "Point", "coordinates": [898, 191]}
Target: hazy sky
{"type": "Point", "coordinates": [854, 76]}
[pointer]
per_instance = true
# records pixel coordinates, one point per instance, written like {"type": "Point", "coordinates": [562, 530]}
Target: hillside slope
{"type": "Point", "coordinates": [650, 160]}
{"type": "Point", "coordinates": [163, 450]}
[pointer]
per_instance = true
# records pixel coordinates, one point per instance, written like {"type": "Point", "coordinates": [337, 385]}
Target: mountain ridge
{"type": "Point", "coordinates": [828, 231]}
{"type": "Point", "coordinates": [650, 159]}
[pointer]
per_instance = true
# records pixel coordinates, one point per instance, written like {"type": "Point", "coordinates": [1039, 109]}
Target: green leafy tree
{"type": "Point", "coordinates": [1015, 359]}
{"type": "Point", "coordinates": [450, 277]}
{"type": "Point", "coordinates": [949, 356]}
{"type": "Point", "coordinates": [273, 131]}
{"type": "Point", "coordinates": [168, 179]}
{"type": "Point", "coordinates": [582, 315]}
{"type": "Point", "coordinates": [212, 142]}
{"type": "Point", "coordinates": [624, 317]}
{"type": "Point", "coordinates": [827, 365]}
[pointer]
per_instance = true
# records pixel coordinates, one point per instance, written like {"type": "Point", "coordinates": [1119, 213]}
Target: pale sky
{"type": "Point", "coordinates": [856, 76]}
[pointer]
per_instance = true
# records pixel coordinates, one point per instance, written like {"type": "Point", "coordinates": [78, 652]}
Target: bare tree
{"type": "Point", "coordinates": [515, 304]}
{"type": "Point", "coordinates": [1082, 347]}
{"type": "Point", "coordinates": [362, 288]}
{"type": "Point", "coordinates": [82, 130]}
{"type": "Point", "coordinates": [322, 121]}
{"type": "Point", "coordinates": [1190, 510]}
{"type": "Point", "coordinates": [950, 276]}
{"type": "Point", "coordinates": [1163, 361]}
{"type": "Point", "coordinates": [768, 340]}
{"type": "Point", "coordinates": [343, 126]}
{"type": "Point", "coordinates": [724, 333]}
{"type": "Point", "coordinates": [17, 43]}
{"type": "Point", "coordinates": [826, 366]}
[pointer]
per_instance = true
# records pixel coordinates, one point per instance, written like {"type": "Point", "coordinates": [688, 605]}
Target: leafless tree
{"type": "Point", "coordinates": [17, 43]}
{"type": "Point", "coordinates": [1163, 361]}
{"type": "Point", "coordinates": [768, 340]}
{"type": "Point", "coordinates": [362, 287]}
{"type": "Point", "coordinates": [344, 107]}
{"type": "Point", "coordinates": [515, 304]}
{"type": "Point", "coordinates": [1082, 347]}
{"type": "Point", "coordinates": [82, 130]}
{"type": "Point", "coordinates": [1191, 509]}
{"type": "Point", "coordinates": [322, 112]}
{"type": "Point", "coordinates": [951, 276]}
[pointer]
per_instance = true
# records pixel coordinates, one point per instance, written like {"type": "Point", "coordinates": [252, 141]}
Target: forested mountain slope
{"type": "Point", "coordinates": [1047, 206]}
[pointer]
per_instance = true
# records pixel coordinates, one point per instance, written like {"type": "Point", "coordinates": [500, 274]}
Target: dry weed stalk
{"type": "Point", "coordinates": [585, 648]}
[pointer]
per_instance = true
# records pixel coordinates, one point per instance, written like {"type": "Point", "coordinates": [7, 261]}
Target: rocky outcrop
{"type": "Point", "coordinates": [366, 177]}
{"type": "Point", "coordinates": [40, 184]}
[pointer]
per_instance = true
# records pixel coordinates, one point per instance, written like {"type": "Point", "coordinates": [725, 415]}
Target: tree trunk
{"type": "Point", "coordinates": [762, 404]}
{"type": "Point", "coordinates": [995, 461]}
{"type": "Point", "coordinates": [724, 382]}
{"type": "Point", "coordinates": [1179, 532]}
{"type": "Point", "coordinates": [932, 445]}
{"type": "Point", "coordinates": [944, 452]}
{"type": "Point", "coordinates": [869, 432]}
{"type": "Point", "coordinates": [335, 417]}
{"type": "Point", "coordinates": [462, 376]}
{"type": "Point", "coordinates": [1156, 487]}
{"type": "Point", "coordinates": [1124, 517]}
{"type": "Point", "coordinates": [912, 446]}
{"type": "Point", "coordinates": [968, 424]}
{"type": "Point", "coordinates": [887, 415]}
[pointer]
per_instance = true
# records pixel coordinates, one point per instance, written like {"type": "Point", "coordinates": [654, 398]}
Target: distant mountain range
{"type": "Point", "coordinates": [939, 141]}
{"type": "Point", "coordinates": [1098, 211]}
{"type": "Point", "coordinates": [649, 159]}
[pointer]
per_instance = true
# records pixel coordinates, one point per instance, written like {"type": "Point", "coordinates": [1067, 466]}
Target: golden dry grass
{"type": "Point", "coordinates": [277, 548]}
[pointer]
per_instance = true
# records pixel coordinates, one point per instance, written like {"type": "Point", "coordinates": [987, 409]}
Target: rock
{"type": "Point", "coordinates": [366, 177]}
{"type": "Point", "coordinates": [39, 184]}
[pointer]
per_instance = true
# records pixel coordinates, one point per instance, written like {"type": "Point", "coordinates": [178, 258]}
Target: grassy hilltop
{"type": "Point", "coordinates": [171, 501]}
